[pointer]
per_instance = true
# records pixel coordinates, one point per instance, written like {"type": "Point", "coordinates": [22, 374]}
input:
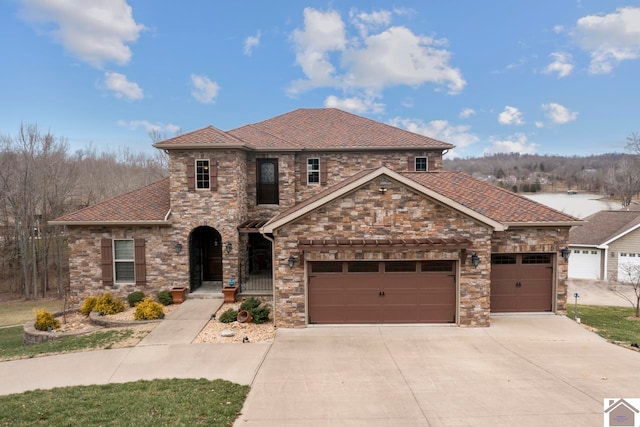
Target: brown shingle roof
{"type": "Point", "coordinates": [206, 136]}
{"type": "Point", "coordinates": [330, 128]}
{"type": "Point", "coordinates": [603, 226]}
{"type": "Point", "coordinates": [147, 204]}
{"type": "Point", "coordinates": [494, 202]}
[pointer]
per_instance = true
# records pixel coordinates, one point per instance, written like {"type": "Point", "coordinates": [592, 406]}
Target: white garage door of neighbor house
{"type": "Point", "coordinates": [585, 264]}
{"type": "Point", "coordinates": [625, 259]}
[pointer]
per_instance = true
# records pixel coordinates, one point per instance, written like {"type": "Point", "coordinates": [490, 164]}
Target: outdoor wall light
{"type": "Point", "coordinates": [178, 248]}
{"type": "Point", "coordinates": [475, 259]}
{"type": "Point", "coordinates": [565, 252]}
{"type": "Point", "coordinates": [292, 261]}
{"type": "Point", "coordinates": [382, 190]}
{"type": "Point", "coordinates": [228, 246]}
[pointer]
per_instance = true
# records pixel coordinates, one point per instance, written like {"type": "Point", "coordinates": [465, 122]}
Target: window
{"type": "Point", "coordinates": [400, 266]}
{"type": "Point", "coordinates": [267, 182]}
{"type": "Point", "coordinates": [536, 259]}
{"type": "Point", "coordinates": [503, 259]}
{"type": "Point", "coordinates": [623, 254]}
{"type": "Point", "coordinates": [363, 267]}
{"type": "Point", "coordinates": [313, 171]}
{"type": "Point", "coordinates": [594, 252]}
{"type": "Point", "coordinates": [123, 261]}
{"type": "Point", "coordinates": [202, 174]}
{"type": "Point", "coordinates": [421, 164]}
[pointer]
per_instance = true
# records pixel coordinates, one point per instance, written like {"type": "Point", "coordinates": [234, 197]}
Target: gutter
{"type": "Point", "coordinates": [164, 222]}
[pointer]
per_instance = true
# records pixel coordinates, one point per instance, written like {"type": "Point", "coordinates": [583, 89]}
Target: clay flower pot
{"type": "Point", "coordinates": [178, 294]}
{"type": "Point", "coordinates": [230, 293]}
{"type": "Point", "coordinates": [244, 316]}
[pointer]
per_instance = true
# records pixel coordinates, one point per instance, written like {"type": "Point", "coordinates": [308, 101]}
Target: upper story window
{"type": "Point", "coordinates": [267, 192]}
{"type": "Point", "coordinates": [202, 174]}
{"type": "Point", "coordinates": [123, 261]}
{"type": "Point", "coordinates": [421, 164]}
{"type": "Point", "coordinates": [313, 171]}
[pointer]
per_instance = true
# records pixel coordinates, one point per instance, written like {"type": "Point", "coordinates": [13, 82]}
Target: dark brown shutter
{"type": "Point", "coordinates": [302, 168]}
{"type": "Point", "coordinates": [191, 174]}
{"type": "Point", "coordinates": [106, 257]}
{"type": "Point", "coordinates": [323, 171]}
{"type": "Point", "coordinates": [139, 261]}
{"type": "Point", "coordinates": [431, 164]}
{"type": "Point", "coordinates": [411, 163]}
{"type": "Point", "coordinates": [213, 174]}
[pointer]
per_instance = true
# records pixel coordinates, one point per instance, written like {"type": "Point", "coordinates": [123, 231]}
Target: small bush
{"type": "Point", "coordinates": [228, 316]}
{"type": "Point", "coordinates": [45, 320]}
{"type": "Point", "coordinates": [87, 305]}
{"type": "Point", "coordinates": [134, 298]}
{"type": "Point", "coordinates": [260, 314]}
{"type": "Point", "coordinates": [148, 309]}
{"type": "Point", "coordinates": [108, 304]}
{"type": "Point", "coordinates": [164, 297]}
{"type": "Point", "coordinates": [250, 304]}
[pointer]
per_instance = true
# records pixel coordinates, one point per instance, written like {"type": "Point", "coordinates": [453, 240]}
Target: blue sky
{"type": "Point", "coordinates": [551, 77]}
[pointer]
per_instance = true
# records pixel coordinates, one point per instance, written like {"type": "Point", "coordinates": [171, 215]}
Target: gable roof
{"type": "Point", "coordinates": [604, 227]}
{"type": "Point", "coordinates": [486, 203]}
{"type": "Point", "coordinates": [147, 205]}
{"type": "Point", "coordinates": [307, 128]}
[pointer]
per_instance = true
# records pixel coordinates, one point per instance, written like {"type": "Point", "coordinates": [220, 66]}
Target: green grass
{"type": "Point", "coordinates": [613, 323]}
{"type": "Point", "coordinates": [18, 312]}
{"type": "Point", "coordinates": [140, 403]}
{"type": "Point", "coordinates": [11, 343]}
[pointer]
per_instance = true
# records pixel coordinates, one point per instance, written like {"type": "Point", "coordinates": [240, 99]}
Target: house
{"type": "Point", "coordinates": [605, 245]}
{"type": "Point", "coordinates": [620, 413]}
{"type": "Point", "coordinates": [339, 218]}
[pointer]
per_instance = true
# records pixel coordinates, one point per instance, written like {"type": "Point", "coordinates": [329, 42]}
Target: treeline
{"type": "Point", "coordinates": [533, 172]}
{"type": "Point", "coordinates": [40, 179]}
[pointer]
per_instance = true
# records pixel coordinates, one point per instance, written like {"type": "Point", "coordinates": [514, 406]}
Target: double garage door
{"type": "Point", "coordinates": [521, 282]}
{"type": "Point", "coordinates": [382, 292]}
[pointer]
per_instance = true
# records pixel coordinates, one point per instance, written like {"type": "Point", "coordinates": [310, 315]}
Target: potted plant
{"type": "Point", "coordinates": [178, 294]}
{"type": "Point", "coordinates": [230, 291]}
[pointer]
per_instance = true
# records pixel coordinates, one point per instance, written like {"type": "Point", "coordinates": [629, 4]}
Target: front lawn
{"type": "Point", "coordinates": [613, 323]}
{"type": "Point", "coordinates": [142, 403]}
{"type": "Point", "coordinates": [18, 312]}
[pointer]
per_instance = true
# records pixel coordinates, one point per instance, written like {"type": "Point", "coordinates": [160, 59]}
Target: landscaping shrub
{"type": "Point", "coordinates": [164, 297]}
{"type": "Point", "coordinates": [87, 305]}
{"type": "Point", "coordinates": [250, 304]}
{"type": "Point", "coordinates": [134, 298]}
{"type": "Point", "coordinates": [45, 320]}
{"type": "Point", "coordinates": [148, 309]}
{"type": "Point", "coordinates": [108, 304]}
{"type": "Point", "coordinates": [228, 316]}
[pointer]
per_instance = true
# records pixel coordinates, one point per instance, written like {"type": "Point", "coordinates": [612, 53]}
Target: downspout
{"type": "Point", "coordinates": [273, 273]}
{"type": "Point", "coordinates": [605, 266]}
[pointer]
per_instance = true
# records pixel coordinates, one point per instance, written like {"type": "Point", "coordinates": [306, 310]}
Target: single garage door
{"type": "Point", "coordinates": [584, 263]}
{"type": "Point", "coordinates": [382, 292]}
{"type": "Point", "coordinates": [521, 282]}
{"type": "Point", "coordinates": [628, 264]}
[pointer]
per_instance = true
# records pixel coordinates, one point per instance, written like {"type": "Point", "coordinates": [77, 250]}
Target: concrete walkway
{"type": "Point", "coordinates": [165, 353]}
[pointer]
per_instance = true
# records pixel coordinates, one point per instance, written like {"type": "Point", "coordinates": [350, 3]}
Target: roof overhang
{"type": "Point", "coordinates": [542, 224]}
{"type": "Point", "coordinates": [199, 146]}
{"type": "Point", "coordinates": [273, 225]}
{"type": "Point", "coordinates": [624, 233]}
{"type": "Point", "coordinates": [452, 243]}
{"type": "Point", "coordinates": [111, 223]}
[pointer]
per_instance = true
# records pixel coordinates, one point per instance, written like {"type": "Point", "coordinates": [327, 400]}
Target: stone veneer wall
{"type": "Point", "coordinates": [85, 269]}
{"type": "Point", "coordinates": [365, 213]}
{"type": "Point", "coordinates": [540, 239]}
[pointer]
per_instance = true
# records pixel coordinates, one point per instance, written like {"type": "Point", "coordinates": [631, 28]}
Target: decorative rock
{"type": "Point", "coordinates": [227, 333]}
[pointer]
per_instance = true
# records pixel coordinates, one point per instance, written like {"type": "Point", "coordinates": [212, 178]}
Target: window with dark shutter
{"type": "Point", "coordinates": [213, 175]}
{"type": "Point", "coordinates": [411, 164]}
{"type": "Point", "coordinates": [124, 261]}
{"type": "Point", "coordinates": [140, 264]}
{"type": "Point", "coordinates": [421, 164]}
{"type": "Point", "coordinates": [324, 175]}
{"type": "Point", "coordinates": [431, 163]}
{"type": "Point", "coordinates": [191, 175]}
{"type": "Point", "coordinates": [106, 255]}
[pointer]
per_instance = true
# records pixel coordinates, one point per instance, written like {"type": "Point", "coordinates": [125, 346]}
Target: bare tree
{"type": "Point", "coordinates": [627, 281]}
{"type": "Point", "coordinates": [633, 143]}
{"type": "Point", "coordinates": [623, 180]}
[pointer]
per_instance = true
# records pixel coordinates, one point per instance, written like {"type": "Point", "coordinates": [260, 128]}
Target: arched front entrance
{"type": "Point", "coordinates": [205, 257]}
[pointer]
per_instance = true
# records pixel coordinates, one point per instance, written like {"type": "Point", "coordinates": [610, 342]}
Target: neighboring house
{"type": "Point", "coordinates": [606, 243]}
{"type": "Point", "coordinates": [341, 219]}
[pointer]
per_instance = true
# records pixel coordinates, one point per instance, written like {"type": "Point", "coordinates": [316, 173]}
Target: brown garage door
{"type": "Point", "coordinates": [521, 282]}
{"type": "Point", "coordinates": [382, 292]}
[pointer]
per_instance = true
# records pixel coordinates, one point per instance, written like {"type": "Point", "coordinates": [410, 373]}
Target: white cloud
{"type": "Point", "coordinates": [369, 21]}
{"type": "Point", "coordinates": [204, 90]}
{"type": "Point", "coordinates": [510, 116]}
{"type": "Point", "coordinates": [122, 87]}
{"type": "Point", "coordinates": [559, 114]}
{"type": "Point", "coordinates": [95, 31]}
{"type": "Point", "coordinates": [355, 104]}
{"type": "Point", "coordinates": [539, 124]}
{"type": "Point", "coordinates": [438, 129]}
{"type": "Point", "coordinates": [371, 62]}
{"type": "Point", "coordinates": [516, 143]}
{"type": "Point", "coordinates": [149, 127]}
{"type": "Point", "coordinates": [251, 42]}
{"type": "Point", "coordinates": [561, 64]}
{"type": "Point", "coordinates": [466, 113]}
{"type": "Point", "coordinates": [609, 39]}
{"type": "Point", "coordinates": [558, 29]}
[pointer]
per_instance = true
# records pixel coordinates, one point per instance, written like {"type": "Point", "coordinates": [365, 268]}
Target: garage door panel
{"type": "Point", "coordinates": [524, 283]}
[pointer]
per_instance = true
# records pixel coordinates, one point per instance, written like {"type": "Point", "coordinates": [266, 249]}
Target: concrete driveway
{"type": "Point", "coordinates": [536, 370]}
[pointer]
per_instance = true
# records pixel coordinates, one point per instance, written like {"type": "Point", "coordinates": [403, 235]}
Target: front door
{"type": "Point", "coordinates": [205, 256]}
